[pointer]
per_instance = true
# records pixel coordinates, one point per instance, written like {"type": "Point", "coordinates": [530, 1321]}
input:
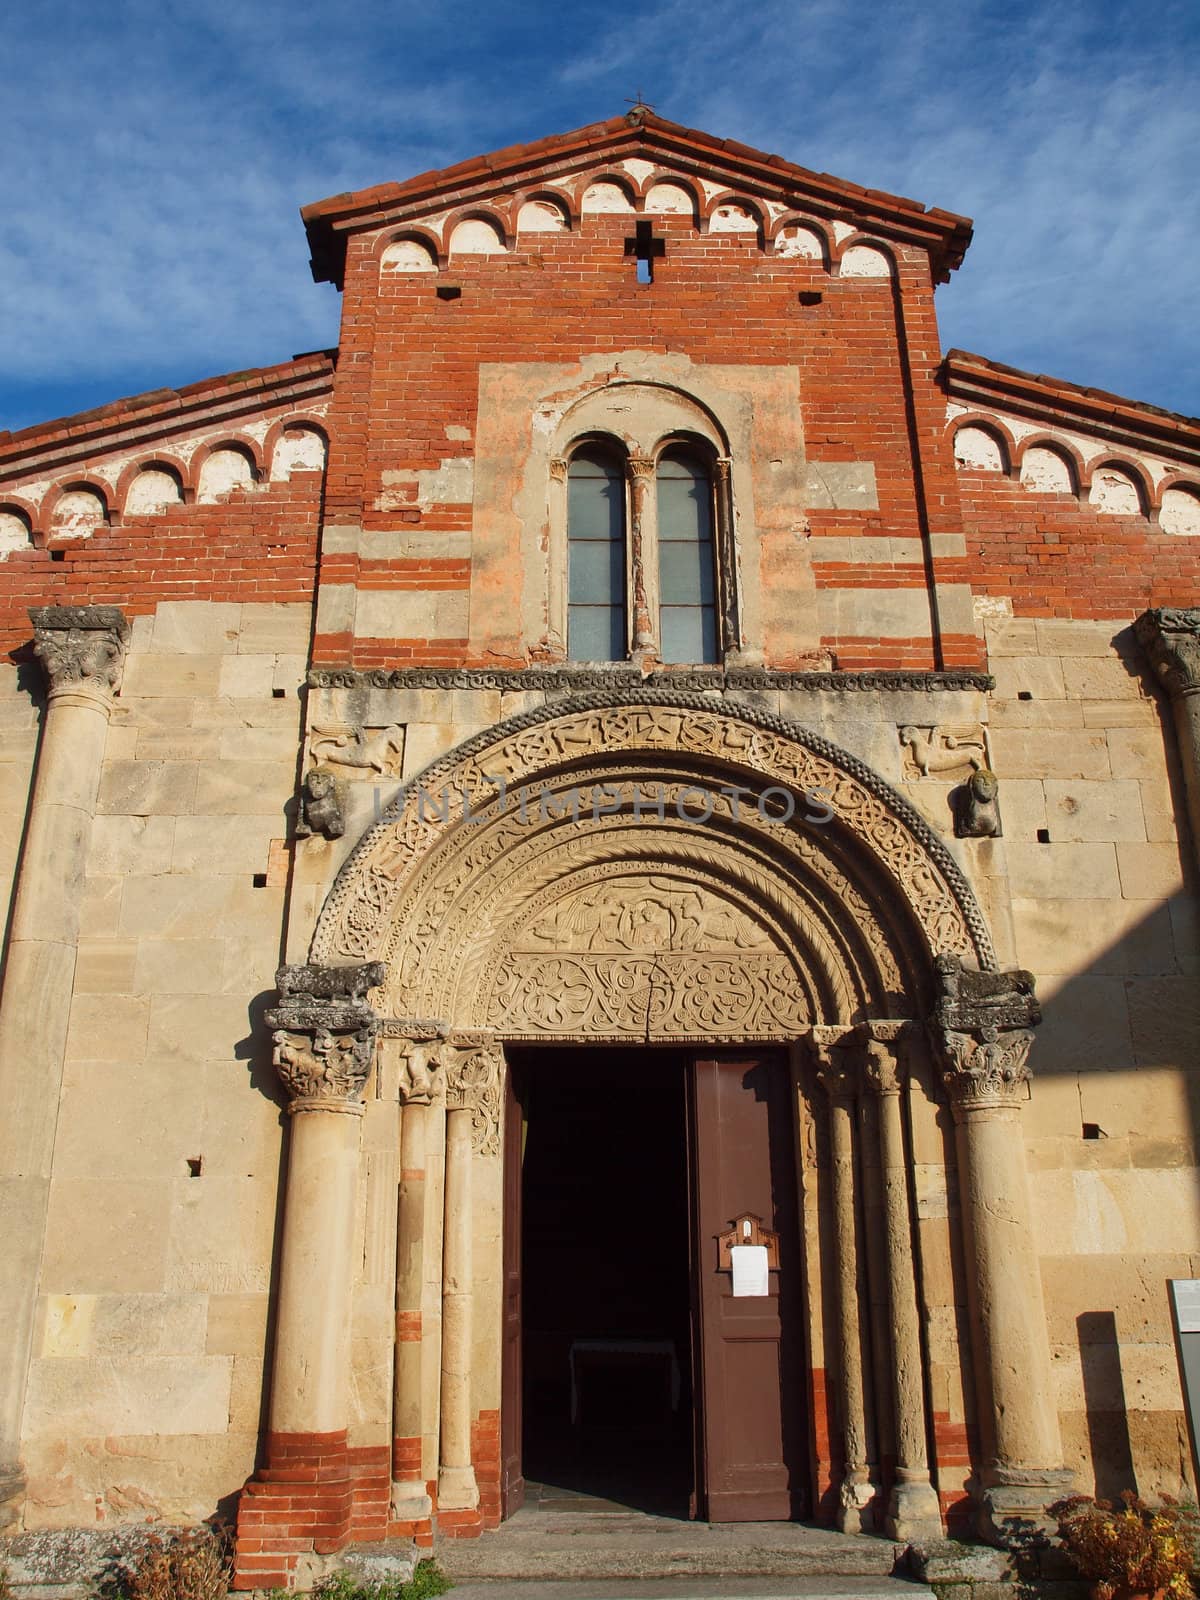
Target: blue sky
{"type": "Point", "coordinates": [156, 154]}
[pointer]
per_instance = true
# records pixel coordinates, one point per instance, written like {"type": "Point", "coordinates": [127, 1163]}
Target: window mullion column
{"type": "Point", "coordinates": [641, 569]}
{"type": "Point", "coordinates": [728, 626]}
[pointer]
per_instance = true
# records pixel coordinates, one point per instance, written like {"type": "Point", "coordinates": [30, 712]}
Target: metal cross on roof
{"type": "Point", "coordinates": [641, 103]}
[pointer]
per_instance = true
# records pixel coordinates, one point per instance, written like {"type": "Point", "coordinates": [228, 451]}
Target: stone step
{"type": "Point", "coordinates": [694, 1588]}
{"type": "Point", "coordinates": [536, 1545]}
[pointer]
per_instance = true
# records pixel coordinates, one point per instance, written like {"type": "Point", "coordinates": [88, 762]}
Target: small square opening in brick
{"type": "Point", "coordinates": [810, 297]}
{"type": "Point", "coordinates": [1093, 1130]}
{"type": "Point", "coordinates": [1024, 694]}
{"type": "Point", "coordinates": [195, 1166]}
{"type": "Point", "coordinates": [449, 291]}
{"type": "Point", "coordinates": [278, 694]}
{"type": "Point", "coordinates": [1043, 836]}
{"type": "Point", "coordinates": [260, 880]}
{"type": "Point", "coordinates": [58, 555]}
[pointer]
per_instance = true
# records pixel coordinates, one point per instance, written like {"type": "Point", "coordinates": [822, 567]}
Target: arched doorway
{"type": "Point", "coordinates": [662, 873]}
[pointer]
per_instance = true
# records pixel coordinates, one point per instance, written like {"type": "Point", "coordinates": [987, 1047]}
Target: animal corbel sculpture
{"type": "Point", "coordinates": [976, 807]}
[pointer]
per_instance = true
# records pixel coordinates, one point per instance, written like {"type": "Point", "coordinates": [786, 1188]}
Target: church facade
{"type": "Point", "coordinates": [602, 880]}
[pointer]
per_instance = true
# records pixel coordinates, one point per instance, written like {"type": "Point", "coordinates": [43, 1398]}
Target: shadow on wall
{"type": "Point", "coordinates": [1113, 1131]}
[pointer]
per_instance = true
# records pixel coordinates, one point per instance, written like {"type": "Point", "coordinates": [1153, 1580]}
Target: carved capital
{"type": "Point", "coordinates": [422, 1070]}
{"type": "Point", "coordinates": [474, 1079]}
{"type": "Point", "coordinates": [989, 1071]}
{"type": "Point", "coordinates": [81, 647]}
{"type": "Point", "coordinates": [558, 469]}
{"type": "Point", "coordinates": [835, 1054]}
{"type": "Point", "coordinates": [981, 1029]}
{"type": "Point", "coordinates": [324, 1034]}
{"type": "Point", "coordinates": [1170, 637]}
{"type": "Point", "coordinates": [721, 469]}
{"type": "Point", "coordinates": [884, 1067]}
{"type": "Point", "coordinates": [640, 468]}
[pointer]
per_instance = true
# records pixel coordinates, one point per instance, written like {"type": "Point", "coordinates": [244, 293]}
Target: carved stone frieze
{"type": "Point", "coordinates": [1170, 637]}
{"type": "Point", "coordinates": [474, 1083]}
{"type": "Point", "coordinates": [324, 1033]}
{"type": "Point", "coordinates": [981, 1028]}
{"type": "Point", "coordinates": [654, 997]}
{"type": "Point", "coordinates": [942, 750]}
{"type": "Point", "coordinates": [81, 647]}
{"type": "Point", "coordinates": [586, 679]}
{"type": "Point", "coordinates": [358, 751]}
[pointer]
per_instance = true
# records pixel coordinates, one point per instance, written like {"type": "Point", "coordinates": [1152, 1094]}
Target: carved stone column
{"type": "Point", "coordinates": [982, 1028]}
{"type": "Point", "coordinates": [641, 486]}
{"type": "Point", "coordinates": [82, 649]}
{"type": "Point", "coordinates": [324, 1037]}
{"type": "Point", "coordinates": [833, 1053]}
{"type": "Point", "coordinates": [913, 1511]}
{"type": "Point", "coordinates": [727, 573]}
{"type": "Point", "coordinates": [472, 1124]}
{"type": "Point", "coordinates": [421, 1079]}
{"type": "Point", "coordinates": [1170, 636]}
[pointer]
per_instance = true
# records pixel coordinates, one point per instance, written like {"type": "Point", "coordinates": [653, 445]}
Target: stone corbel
{"type": "Point", "coordinates": [82, 648]}
{"type": "Point", "coordinates": [474, 1083]}
{"type": "Point", "coordinates": [324, 1033]}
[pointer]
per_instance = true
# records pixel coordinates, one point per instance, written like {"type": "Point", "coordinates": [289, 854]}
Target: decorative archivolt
{"type": "Point", "coordinates": [648, 864]}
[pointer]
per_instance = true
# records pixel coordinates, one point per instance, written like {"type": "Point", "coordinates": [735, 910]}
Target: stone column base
{"type": "Point", "coordinates": [457, 1489]}
{"type": "Point", "coordinates": [409, 1502]}
{"type": "Point", "coordinates": [855, 1501]}
{"type": "Point", "coordinates": [913, 1514]}
{"type": "Point", "coordinates": [1013, 1501]}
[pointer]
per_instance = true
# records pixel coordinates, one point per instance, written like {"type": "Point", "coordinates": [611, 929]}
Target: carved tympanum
{"type": "Point", "coordinates": [1170, 637]}
{"type": "Point", "coordinates": [982, 1028]}
{"type": "Point", "coordinates": [324, 1033]}
{"type": "Point", "coordinates": [81, 647]}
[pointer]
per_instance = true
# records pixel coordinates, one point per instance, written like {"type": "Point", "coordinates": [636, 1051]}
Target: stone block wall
{"type": "Point", "coordinates": [1104, 911]}
{"type": "Point", "coordinates": [146, 1388]}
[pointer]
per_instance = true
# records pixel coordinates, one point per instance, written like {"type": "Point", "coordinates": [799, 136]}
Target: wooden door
{"type": "Point", "coordinates": [512, 1481]}
{"type": "Point", "coordinates": [750, 1428]}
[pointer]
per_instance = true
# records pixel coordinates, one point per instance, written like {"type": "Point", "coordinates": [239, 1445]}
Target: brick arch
{"type": "Point", "coordinates": [866, 241]}
{"type": "Point", "coordinates": [1050, 441]}
{"type": "Point", "coordinates": [19, 506]}
{"type": "Point", "coordinates": [562, 198]}
{"type": "Point", "coordinates": [228, 441]}
{"type": "Point", "coordinates": [1126, 465]}
{"type": "Point", "coordinates": [69, 486]}
{"type": "Point", "coordinates": [796, 219]}
{"type": "Point", "coordinates": [733, 197]}
{"type": "Point", "coordinates": [165, 461]}
{"type": "Point", "coordinates": [419, 234]}
{"type": "Point", "coordinates": [859, 905]}
{"type": "Point", "coordinates": [300, 419]}
{"type": "Point", "coordinates": [987, 424]}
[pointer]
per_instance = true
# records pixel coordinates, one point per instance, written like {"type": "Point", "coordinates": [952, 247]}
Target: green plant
{"type": "Point", "coordinates": [427, 1581]}
{"type": "Point", "coordinates": [193, 1565]}
{"type": "Point", "coordinates": [1132, 1547]}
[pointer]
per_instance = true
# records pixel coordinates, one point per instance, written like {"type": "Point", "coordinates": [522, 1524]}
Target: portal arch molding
{"type": "Point", "coordinates": [541, 839]}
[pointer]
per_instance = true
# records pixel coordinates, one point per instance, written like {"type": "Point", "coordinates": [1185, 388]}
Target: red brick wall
{"type": "Point", "coordinates": [1054, 556]}
{"type": "Point", "coordinates": [408, 370]}
{"type": "Point", "coordinates": [256, 545]}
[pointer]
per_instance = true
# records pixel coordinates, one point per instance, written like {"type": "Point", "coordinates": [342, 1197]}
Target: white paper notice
{"type": "Point", "coordinates": [749, 1270]}
{"type": "Point", "coordinates": [1187, 1303]}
